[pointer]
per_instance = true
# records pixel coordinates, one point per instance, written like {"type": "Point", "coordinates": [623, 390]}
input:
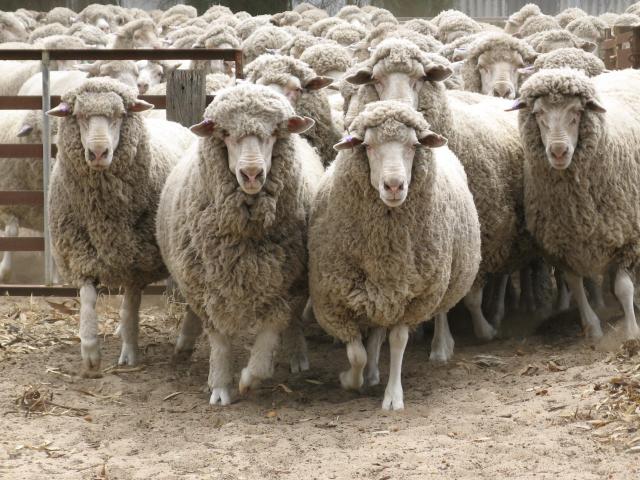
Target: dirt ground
{"type": "Point", "coordinates": [541, 404]}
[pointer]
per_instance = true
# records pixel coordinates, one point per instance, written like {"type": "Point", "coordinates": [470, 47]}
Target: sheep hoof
{"type": "Point", "coordinates": [633, 332]}
{"type": "Point", "coordinates": [181, 356]}
{"type": "Point", "coordinates": [372, 377]}
{"type": "Point", "coordinates": [220, 395]}
{"type": "Point", "coordinates": [351, 381]}
{"type": "Point", "coordinates": [298, 363]}
{"type": "Point", "coordinates": [440, 356]}
{"type": "Point", "coordinates": [393, 398]}
{"type": "Point", "coordinates": [90, 350]}
{"type": "Point", "coordinates": [248, 381]}
{"type": "Point", "coordinates": [128, 354]}
{"type": "Point", "coordinates": [486, 333]}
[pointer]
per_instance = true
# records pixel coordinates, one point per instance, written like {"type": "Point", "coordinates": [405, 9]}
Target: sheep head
{"type": "Point", "coordinates": [390, 133]}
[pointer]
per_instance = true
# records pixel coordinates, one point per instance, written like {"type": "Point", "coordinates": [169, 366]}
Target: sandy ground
{"type": "Point", "coordinates": [540, 405]}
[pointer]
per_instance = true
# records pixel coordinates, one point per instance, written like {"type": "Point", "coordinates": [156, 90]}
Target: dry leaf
{"type": "Point", "coordinates": [61, 307]}
{"type": "Point", "coordinates": [171, 395]}
{"type": "Point", "coordinates": [554, 367]}
{"type": "Point", "coordinates": [271, 414]}
{"type": "Point", "coordinates": [285, 388]}
{"type": "Point", "coordinates": [529, 370]}
{"type": "Point", "coordinates": [313, 382]}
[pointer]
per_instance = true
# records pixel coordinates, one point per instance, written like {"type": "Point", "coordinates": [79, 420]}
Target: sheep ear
{"type": "Point", "coordinates": [25, 130]}
{"type": "Point", "coordinates": [437, 73]}
{"type": "Point", "coordinates": [516, 35]}
{"type": "Point", "coordinates": [91, 68]}
{"type": "Point", "coordinates": [587, 46]}
{"type": "Point", "coordinates": [433, 140]}
{"type": "Point", "coordinates": [318, 83]}
{"type": "Point", "coordinates": [62, 110]}
{"type": "Point", "coordinates": [139, 106]}
{"type": "Point", "coordinates": [347, 142]}
{"type": "Point", "coordinates": [204, 129]}
{"type": "Point", "coordinates": [528, 70]}
{"type": "Point", "coordinates": [297, 124]}
{"type": "Point", "coordinates": [595, 106]}
{"type": "Point", "coordinates": [517, 105]}
{"type": "Point", "coordinates": [460, 53]}
{"type": "Point", "coordinates": [361, 77]}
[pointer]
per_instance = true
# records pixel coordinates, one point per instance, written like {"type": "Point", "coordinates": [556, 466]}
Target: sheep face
{"type": "Point", "coordinates": [144, 37]}
{"type": "Point", "coordinates": [149, 74]}
{"type": "Point", "coordinates": [500, 78]}
{"type": "Point", "coordinates": [102, 24]}
{"type": "Point", "coordinates": [125, 71]}
{"type": "Point", "coordinates": [292, 87]}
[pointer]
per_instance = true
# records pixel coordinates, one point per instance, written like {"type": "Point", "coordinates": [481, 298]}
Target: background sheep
{"type": "Point", "coordinates": [241, 261]}
{"type": "Point", "coordinates": [377, 209]}
{"type": "Point", "coordinates": [263, 40]}
{"type": "Point", "coordinates": [575, 58]}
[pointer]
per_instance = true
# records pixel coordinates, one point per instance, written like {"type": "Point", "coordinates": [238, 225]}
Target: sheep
{"type": "Point", "coordinates": [304, 89]}
{"type": "Point", "coordinates": [172, 37]}
{"type": "Point", "coordinates": [582, 170]}
{"type": "Point", "coordinates": [28, 18]}
{"type": "Point", "coordinates": [492, 63]}
{"type": "Point", "coordinates": [11, 29]}
{"type": "Point", "coordinates": [420, 25]}
{"type": "Point", "coordinates": [151, 73]}
{"type": "Point", "coordinates": [262, 40]}
{"type": "Point", "coordinates": [590, 29]}
{"type": "Point", "coordinates": [246, 27]}
{"type": "Point", "coordinates": [99, 16]}
{"type": "Point", "coordinates": [545, 42]}
{"type": "Point", "coordinates": [516, 20]}
{"type": "Point", "coordinates": [298, 44]}
{"type": "Point", "coordinates": [453, 27]}
{"type": "Point", "coordinates": [125, 71]}
{"type": "Point", "coordinates": [115, 164]}
{"type": "Point", "coordinates": [241, 261]}
{"type": "Point", "coordinates": [137, 34]}
{"type": "Point", "coordinates": [186, 10]}
{"type": "Point", "coordinates": [394, 239]}
{"type": "Point", "coordinates": [242, 15]}
{"type": "Point", "coordinates": [568, 15]}
{"type": "Point", "coordinates": [47, 31]}
{"type": "Point", "coordinates": [346, 35]}
{"type": "Point", "coordinates": [575, 58]}
{"type": "Point", "coordinates": [480, 133]}
{"type": "Point", "coordinates": [216, 11]}
{"type": "Point", "coordinates": [186, 41]}
{"type": "Point", "coordinates": [218, 35]}
{"type": "Point", "coordinates": [89, 34]}
{"type": "Point", "coordinates": [609, 18]}
{"type": "Point", "coordinates": [173, 23]}
{"type": "Point", "coordinates": [62, 15]}
{"type": "Point", "coordinates": [457, 50]}
{"type": "Point", "coordinates": [627, 20]}
{"type": "Point", "coordinates": [426, 43]}
{"type": "Point", "coordinates": [285, 18]}
{"type": "Point", "coordinates": [303, 7]}
{"type": "Point", "coordinates": [380, 16]}
{"type": "Point", "coordinates": [633, 8]}
{"type": "Point", "coordinates": [537, 24]}
{"type": "Point", "coordinates": [321, 27]}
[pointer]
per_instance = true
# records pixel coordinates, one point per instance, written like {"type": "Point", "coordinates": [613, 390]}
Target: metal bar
{"type": "Point", "coordinates": [66, 290]}
{"type": "Point", "coordinates": [21, 244]}
{"type": "Point", "coordinates": [160, 101]}
{"type": "Point", "coordinates": [46, 166]}
{"type": "Point", "coordinates": [228, 54]}
{"type": "Point", "coordinates": [24, 150]}
{"type": "Point", "coordinates": [25, 102]}
{"type": "Point", "coordinates": [22, 197]}
{"type": "Point", "coordinates": [239, 65]}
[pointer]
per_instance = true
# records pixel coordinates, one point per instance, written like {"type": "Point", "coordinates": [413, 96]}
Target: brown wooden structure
{"type": "Point", "coordinates": [621, 48]}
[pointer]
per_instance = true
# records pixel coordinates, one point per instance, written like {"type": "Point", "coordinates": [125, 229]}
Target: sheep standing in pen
{"type": "Point", "coordinates": [105, 187]}
{"type": "Point", "coordinates": [486, 141]}
{"type": "Point", "coordinates": [581, 179]}
{"type": "Point", "coordinates": [232, 228]}
{"type": "Point", "coordinates": [517, 19]}
{"type": "Point", "coordinates": [137, 34]}
{"type": "Point", "coordinates": [394, 239]}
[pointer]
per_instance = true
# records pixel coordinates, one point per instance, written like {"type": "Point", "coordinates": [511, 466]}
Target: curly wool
{"type": "Point", "coordinates": [545, 42]}
{"type": "Point", "coordinates": [420, 25]}
{"type": "Point", "coordinates": [609, 18]}
{"type": "Point", "coordinates": [296, 46]}
{"type": "Point", "coordinates": [285, 18]}
{"type": "Point", "coordinates": [374, 266]}
{"type": "Point", "coordinates": [239, 260]}
{"type": "Point", "coordinates": [60, 42]}
{"type": "Point", "coordinates": [568, 15]}
{"type": "Point", "coordinates": [588, 28]}
{"type": "Point", "coordinates": [346, 35]}
{"type": "Point", "coordinates": [633, 8]}
{"type": "Point", "coordinates": [12, 29]}
{"type": "Point", "coordinates": [381, 16]}
{"type": "Point", "coordinates": [448, 51]}
{"type": "Point", "coordinates": [103, 223]}
{"type": "Point", "coordinates": [456, 24]}
{"type": "Point", "coordinates": [89, 34]}
{"type": "Point", "coordinates": [537, 24]}
{"type": "Point", "coordinates": [186, 10]}
{"type": "Point", "coordinates": [575, 58]}
{"type": "Point", "coordinates": [426, 43]}
{"type": "Point", "coordinates": [321, 27]}
{"type": "Point", "coordinates": [586, 216]}
{"type": "Point", "coordinates": [264, 39]}
{"type": "Point", "coordinates": [517, 19]}
{"type": "Point", "coordinates": [627, 20]}
{"type": "Point", "coordinates": [495, 47]}
{"type": "Point", "coordinates": [216, 35]}
{"type": "Point", "coordinates": [124, 37]}
{"type": "Point", "coordinates": [62, 15]}
{"type": "Point", "coordinates": [327, 57]}
{"type": "Point", "coordinates": [47, 31]}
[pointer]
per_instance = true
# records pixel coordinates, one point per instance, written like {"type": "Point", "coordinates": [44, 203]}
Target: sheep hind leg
{"type": "Point", "coordinates": [294, 343]}
{"type": "Point", "coordinates": [89, 342]}
{"type": "Point", "coordinates": [393, 394]}
{"type": "Point", "coordinates": [564, 294]}
{"type": "Point", "coordinates": [374, 343]}
{"type": "Point", "coordinates": [482, 329]}
{"type": "Point", "coordinates": [590, 321]}
{"type": "Point", "coordinates": [623, 289]}
{"type": "Point", "coordinates": [190, 331]}
{"type": "Point", "coordinates": [498, 315]}
{"type": "Point", "coordinates": [129, 320]}
{"type": "Point", "coordinates": [261, 361]}
{"type": "Point", "coordinates": [353, 378]}
{"type": "Point", "coordinates": [220, 375]}
{"type": "Point", "coordinates": [11, 229]}
{"type": "Point", "coordinates": [442, 344]}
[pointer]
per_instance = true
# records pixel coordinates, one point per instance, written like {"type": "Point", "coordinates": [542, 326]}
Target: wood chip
{"type": "Point", "coordinates": [171, 395]}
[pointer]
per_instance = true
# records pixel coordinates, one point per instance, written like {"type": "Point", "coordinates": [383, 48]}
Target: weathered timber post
{"type": "Point", "coordinates": [186, 96]}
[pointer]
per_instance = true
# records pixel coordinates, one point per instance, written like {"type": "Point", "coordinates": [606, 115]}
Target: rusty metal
{"type": "Point", "coordinates": [22, 197]}
{"type": "Point", "coordinates": [66, 290]}
{"type": "Point", "coordinates": [24, 150]}
{"type": "Point", "coordinates": [228, 54]}
{"type": "Point", "coordinates": [22, 244]}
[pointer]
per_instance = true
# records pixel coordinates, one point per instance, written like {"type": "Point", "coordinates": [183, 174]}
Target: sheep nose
{"type": "Point", "coordinates": [251, 173]}
{"type": "Point", "coordinates": [98, 153]}
{"type": "Point", "coordinates": [558, 150]}
{"type": "Point", "coordinates": [503, 90]}
{"type": "Point", "coordinates": [394, 185]}
{"type": "Point", "coordinates": [143, 87]}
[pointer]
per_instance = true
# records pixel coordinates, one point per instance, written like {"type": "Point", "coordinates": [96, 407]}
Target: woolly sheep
{"type": "Point", "coordinates": [47, 31]}
{"type": "Point", "coordinates": [590, 29]}
{"type": "Point", "coordinates": [99, 16]}
{"type": "Point", "coordinates": [151, 73]}
{"type": "Point", "coordinates": [285, 18]}
{"type": "Point", "coordinates": [242, 15]}
{"type": "Point", "coordinates": [305, 91]}
{"type": "Point", "coordinates": [11, 29]}
{"type": "Point", "coordinates": [492, 63]}
{"type": "Point", "coordinates": [517, 19]}
{"type": "Point", "coordinates": [298, 44]}
{"type": "Point", "coordinates": [216, 11]}
{"type": "Point", "coordinates": [137, 34]}
{"type": "Point", "coordinates": [394, 239]}
{"type": "Point", "coordinates": [426, 43]}
{"type": "Point", "coordinates": [634, 9]}
{"type": "Point", "coordinates": [545, 42]}
{"type": "Point", "coordinates": [581, 177]}
{"type": "Point", "coordinates": [453, 27]}
{"type": "Point", "coordinates": [627, 20]}
{"type": "Point", "coordinates": [537, 24]}
{"type": "Point", "coordinates": [246, 27]}
{"type": "Point", "coordinates": [126, 71]}
{"type": "Point", "coordinates": [381, 16]}
{"type": "Point", "coordinates": [241, 262]}
{"type": "Point", "coordinates": [217, 36]}
{"type": "Point", "coordinates": [480, 134]}
{"type": "Point", "coordinates": [321, 27]}
{"type": "Point", "coordinates": [346, 35]}
{"type": "Point", "coordinates": [186, 10]}
{"type": "Point", "coordinates": [575, 58]}
{"type": "Point", "coordinates": [89, 34]}
{"type": "Point", "coordinates": [262, 40]}
{"type": "Point", "coordinates": [113, 163]}
{"type": "Point", "coordinates": [303, 7]}
{"type": "Point", "coordinates": [420, 25]}
{"type": "Point", "coordinates": [609, 18]}
{"type": "Point", "coordinates": [568, 15]}
{"type": "Point", "coordinates": [62, 15]}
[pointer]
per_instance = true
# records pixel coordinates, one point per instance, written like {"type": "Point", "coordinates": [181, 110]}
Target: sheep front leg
{"type": "Point", "coordinates": [623, 289]}
{"type": "Point", "coordinates": [220, 375]}
{"type": "Point", "coordinates": [498, 315]}
{"type": "Point", "coordinates": [129, 319]}
{"type": "Point", "coordinates": [296, 347]}
{"type": "Point", "coordinates": [353, 378]}
{"type": "Point", "coordinates": [564, 295]}
{"type": "Point", "coordinates": [393, 395]}
{"type": "Point", "coordinates": [261, 361]}
{"type": "Point", "coordinates": [442, 343]}
{"type": "Point", "coordinates": [374, 343]}
{"type": "Point", "coordinates": [11, 229]}
{"type": "Point", "coordinates": [590, 321]}
{"type": "Point", "coordinates": [482, 328]}
{"type": "Point", "coordinates": [190, 330]}
{"type": "Point", "coordinates": [89, 343]}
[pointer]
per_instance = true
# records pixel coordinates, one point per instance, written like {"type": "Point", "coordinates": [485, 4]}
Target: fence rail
{"type": "Point", "coordinates": [46, 150]}
{"type": "Point", "coordinates": [621, 48]}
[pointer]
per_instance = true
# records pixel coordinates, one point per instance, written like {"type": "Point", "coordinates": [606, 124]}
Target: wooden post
{"type": "Point", "coordinates": [186, 96]}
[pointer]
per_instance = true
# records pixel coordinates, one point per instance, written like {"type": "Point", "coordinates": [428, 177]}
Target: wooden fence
{"type": "Point", "coordinates": [621, 48]}
{"type": "Point", "coordinates": [191, 84]}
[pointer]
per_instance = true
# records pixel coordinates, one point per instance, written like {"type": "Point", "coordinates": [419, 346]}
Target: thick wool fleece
{"type": "Point", "coordinates": [587, 27]}
{"type": "Point", "coordinates": [575, 58]}
{"type": "Point", "coordinates": [216, 35]}
{"type": "Point", "coordinates": [420, 25]}
{"type": "Point", "coordinates": [627, 20]}
{"type": "Point", "coordinates": [487, 142]}
{"type": "Point", "coordinates": [455, 24]}
{"type": "Point", "coordinates": [89, 34]}
{"type": "Point", "coordinates": [529, 10]}
{"type": "Point", "coordinates": [609, 18]}
{"type": "Point", "coordinates": [321, 27]}
{"type": "Point", "coordinates": [545, 42]}
{"type": "Point", "coordinates": [60, 42]}
{"type": "Point", "coordinates": [327, 57]}
{"type": "Point", "coordinates": [239, 260]}
{"type": "Point", "coordinates": [448, 51]}
{"type": "Point", "coordinates": [285, 18]}
{"type": "Point", "coordinates": [426, 43]}
{"type": "Point", "coordinates": [381, 16]}
{"type": "Point", "coordinates": [346, 34]}
{"type": "Point", "coordinates": [62, 15]}
{"type": "Point", "coordinates": [495, 47]}
{"type": "Point", "coordinates": [124, 37]}
{"type": "Point", "coordinates": [299, 43]}
{"type": "Point", "coordinates": [568, 15]}
{"type": "Point", "coordinates": [371, 265]}
{"type": "Point", "coordinates": [12, 29]}
{"type": "Point", "coordinates": [264, 39]}
{"type": "Point", "coordinates": [538, 23]}
{"type": "Point", "coordinates": [277, 69]}
{"type": "Point", "coordinates": [47, 31]}
{"type": "Point", "coordinates": [103, 223]}
{"type": "Point", "coordinates": [634, 8]}
{"type": "Point", "coordinates": [587, 216]}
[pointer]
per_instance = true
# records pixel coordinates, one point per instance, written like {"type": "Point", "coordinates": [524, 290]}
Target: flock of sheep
{"type": "Point", "coordinates": [439, 192]}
